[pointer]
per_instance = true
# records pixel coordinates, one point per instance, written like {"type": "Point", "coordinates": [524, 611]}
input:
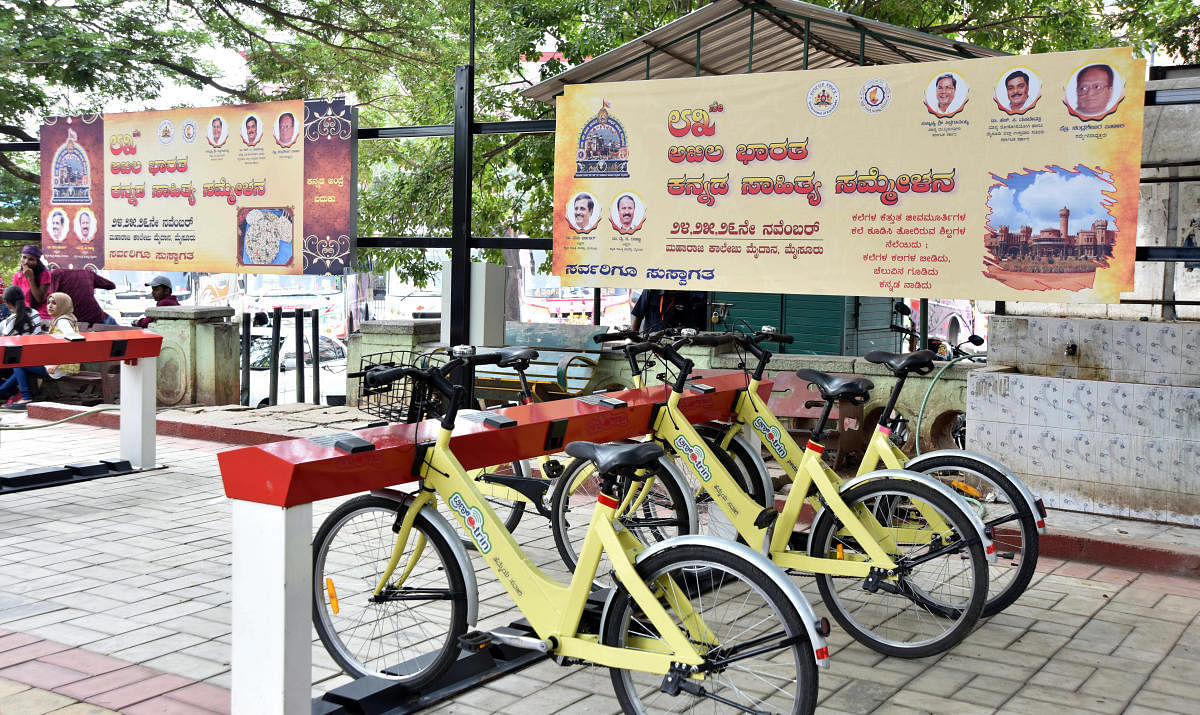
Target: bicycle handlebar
{"type": "Point", "coordinates": [377, 377]}
{"type": "Point", "coordinates": [781, 338]}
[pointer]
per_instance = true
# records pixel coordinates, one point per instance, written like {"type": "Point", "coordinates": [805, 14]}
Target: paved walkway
{"type": "Point", "coordinates": [114, 596]}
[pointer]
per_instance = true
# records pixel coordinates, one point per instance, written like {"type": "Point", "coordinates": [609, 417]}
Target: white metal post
{"type": "Point", "coordinates": [139, 386]}
{"type": "Point", "coordinates": [272, 628]}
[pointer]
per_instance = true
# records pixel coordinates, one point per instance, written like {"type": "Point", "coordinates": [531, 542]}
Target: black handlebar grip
{"type": "Point", "coordinates": [711, 340]}
{"type": "Point", "coordinates": [379, 376]}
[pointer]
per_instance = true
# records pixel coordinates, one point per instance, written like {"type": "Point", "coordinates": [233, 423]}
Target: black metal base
{"type": "Point", "coordinates": [376, 696]}
{"type": "Point", "coordinates": [43, 477]}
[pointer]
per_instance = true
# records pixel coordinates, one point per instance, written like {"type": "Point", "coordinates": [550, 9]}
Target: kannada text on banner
{"type": "Point", "coordinates": [1007, 178]}
{"type": "Point", "coordinates": [256, 188]}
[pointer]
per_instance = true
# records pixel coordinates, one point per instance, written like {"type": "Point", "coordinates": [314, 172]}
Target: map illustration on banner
{"type": "Point", "coordinates": [1004, 178]}
{"type": "Point", "coordinates": [257, 188]}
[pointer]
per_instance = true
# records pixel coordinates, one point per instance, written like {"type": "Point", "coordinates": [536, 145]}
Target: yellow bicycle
{"type": "Point", "coordinates": [693, 621]}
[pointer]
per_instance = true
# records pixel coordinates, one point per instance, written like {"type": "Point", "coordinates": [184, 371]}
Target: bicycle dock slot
{"type": "Point", "coordinates": [138, 352]}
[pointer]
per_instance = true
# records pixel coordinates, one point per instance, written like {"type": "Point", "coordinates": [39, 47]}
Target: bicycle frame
{"type": "Point", "coordinates": [748, 517]}
{"type": "Point", "coordinates": [554, 610]}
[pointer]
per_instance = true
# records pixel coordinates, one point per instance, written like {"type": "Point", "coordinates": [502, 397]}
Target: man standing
{"type": "Point", "coordinates": [160, 291]}
{"type": "Point", "coordinates": [1017, 87]}
{"type": "Point", "coordinates": [659, 309]}
{"type": "Point", "coordinates": [1093, 90]}
{"type": "Point", "coordinates": [584, 205]}
{"type": "Point", "coordinates": [81, 285]}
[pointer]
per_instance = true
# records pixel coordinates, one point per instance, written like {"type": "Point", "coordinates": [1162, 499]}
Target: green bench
{"type": "Point", "coordinates": [565, 367]}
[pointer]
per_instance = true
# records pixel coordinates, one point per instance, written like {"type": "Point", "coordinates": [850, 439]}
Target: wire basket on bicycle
{"type": "Point", "coordinates": [404, 400]}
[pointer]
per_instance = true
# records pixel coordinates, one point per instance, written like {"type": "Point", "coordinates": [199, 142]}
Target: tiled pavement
{"type": "Point", "coordinates": [114, 596]}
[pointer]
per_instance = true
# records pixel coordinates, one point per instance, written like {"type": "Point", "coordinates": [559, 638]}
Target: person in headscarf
{"type": "Point", "coordinates": [62, 324]}
{"type": "Point", "coordinates": [33, 278]}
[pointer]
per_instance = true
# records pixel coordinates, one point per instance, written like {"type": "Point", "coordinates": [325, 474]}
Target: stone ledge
{"type": "Point", "coordinates": [190, 312]}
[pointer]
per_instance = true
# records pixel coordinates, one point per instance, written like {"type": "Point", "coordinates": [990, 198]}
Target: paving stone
{"type": "Point", "coordinates": [33, 702]}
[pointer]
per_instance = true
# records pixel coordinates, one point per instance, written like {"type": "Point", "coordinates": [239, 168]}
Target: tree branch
{"type": "Point", "coordinates": [10, 167]}
{"type": "Point", "coordinates": [18, 132]}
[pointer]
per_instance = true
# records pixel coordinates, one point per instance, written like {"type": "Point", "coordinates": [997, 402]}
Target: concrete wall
{"type": "Point", "coordinates": [1114, 429]}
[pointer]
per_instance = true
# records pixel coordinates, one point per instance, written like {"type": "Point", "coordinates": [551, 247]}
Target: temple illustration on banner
{"type": "Point", "coordinates": [1053, 244]}
{"type": "Point", "coordinates": [603, 149]}
{"type": "Point", "coordinates": [72, 178]}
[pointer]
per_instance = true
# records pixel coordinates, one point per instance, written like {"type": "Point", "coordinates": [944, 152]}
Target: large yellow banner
{"type": "Point", "coordinates": [1007, 178]}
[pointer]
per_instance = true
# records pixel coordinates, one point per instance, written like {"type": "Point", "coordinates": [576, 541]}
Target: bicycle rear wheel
{"type": "Point", "coordinates": [754, 665]}
{"type": "Point", "coordinates": [409, 633]}
{"type": "Point", "coordinates": [1011, 523]}
{"type": "Point", "coordinates": [936, 594]}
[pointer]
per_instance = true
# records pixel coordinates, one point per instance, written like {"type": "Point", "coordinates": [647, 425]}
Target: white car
{"type": "Point", "coordinates": [332, 353]}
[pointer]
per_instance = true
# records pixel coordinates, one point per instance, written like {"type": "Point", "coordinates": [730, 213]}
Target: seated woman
{"type": "Point", "coordinates": [63, 324]}
{"type": "Point", "coordinates": [21, 320]}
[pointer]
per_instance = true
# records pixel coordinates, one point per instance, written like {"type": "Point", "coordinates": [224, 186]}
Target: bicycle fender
{"type": "Point", "coordinates": [1024, 490]}
{"type": "Point", "coordinates": [449, 533]}
{"type": "Point", "coordinates": [776, 574]}
{"type": "Point", "coordinates": [759, 465]}
{"type": "Point", "coordinates": [989, 549]}
{"type": "Point", "coordinates": [677, 474]}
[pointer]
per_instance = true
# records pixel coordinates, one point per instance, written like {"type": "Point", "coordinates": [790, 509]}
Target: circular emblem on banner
{"type": "Point", "coordinates": [166, 132]}
{"type": "Point", "coordinates": [190, 131]}
{"type": "Point", "coordinates": [823, 98]}
{"type": "Point", "coordinates": [875, 95]}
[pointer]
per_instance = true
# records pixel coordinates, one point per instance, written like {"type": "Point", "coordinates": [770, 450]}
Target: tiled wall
{"type": "Point", "coordinates": [1114, 429]}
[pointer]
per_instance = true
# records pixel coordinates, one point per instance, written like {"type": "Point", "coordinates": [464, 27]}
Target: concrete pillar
{"type": "Point", "coordinates": [188, 371]}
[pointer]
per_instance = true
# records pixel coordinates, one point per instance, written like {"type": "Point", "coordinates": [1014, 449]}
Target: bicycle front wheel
{"type": "Point", "coordinates": [936, 594]}
{"type": "Point", "coordinates": [1010, 521]}
{"type": "Point", "coordinates": [657, 509]}
{"type": "Point", "coordinates": [409, 631]}
{"type": "Point", "coordinates": [762, 660]}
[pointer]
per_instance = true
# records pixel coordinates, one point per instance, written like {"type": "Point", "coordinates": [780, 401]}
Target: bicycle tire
{"type": "Point", "coordinates": [1009, 519]}
{"type": "Point", "coordinates": [400, 639]}
{"type": "Point", "coordinates": [756, 481]}
{"type": "Point", "coordinates": [932, 605]}
{"type": "Point", "coordinates": [741, 606]}
{"type": "Point", "coordinates": [508, 511]}
{"type": "Point", "coordinates": [663, 515]}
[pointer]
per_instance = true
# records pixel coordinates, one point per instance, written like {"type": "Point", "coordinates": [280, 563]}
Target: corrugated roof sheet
{"type": "Point", "coordinates": [723, 29]}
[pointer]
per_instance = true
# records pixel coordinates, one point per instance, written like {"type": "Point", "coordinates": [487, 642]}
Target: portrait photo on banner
{"type": "Point", "coordinates": [946, 94]}
{"type": "Point", "coordinates": [251, 130]}
{"type": "Point", "coordinates": [218, 131]}
{"type": "Point", "coordinates": [1094, 91]}
{"type": "Point", "coordinates": [627, 213]}
{"type": "Point", "coordinates": [1018, 90]}
{"type": "Point", "coordinates": [583, 212]}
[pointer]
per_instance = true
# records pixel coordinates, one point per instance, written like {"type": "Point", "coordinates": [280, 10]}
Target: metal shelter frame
{"type": "Point", "coordinates": [725, 37]}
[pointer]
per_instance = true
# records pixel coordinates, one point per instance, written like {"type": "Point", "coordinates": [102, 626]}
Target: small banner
{"type": "Point", "coordinates": [1005, 178]}
{"type": "Point", "coordinates": [253, 188]}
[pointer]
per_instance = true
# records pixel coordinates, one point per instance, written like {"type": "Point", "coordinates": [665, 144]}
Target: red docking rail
{"type": "Point", "coordinates": [300, 471]}
{"type": "Point", "coordinates": [30, 350]}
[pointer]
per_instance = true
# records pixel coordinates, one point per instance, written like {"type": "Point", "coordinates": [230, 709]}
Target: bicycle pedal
{"type": "Point", "coordinates": [475, 640]}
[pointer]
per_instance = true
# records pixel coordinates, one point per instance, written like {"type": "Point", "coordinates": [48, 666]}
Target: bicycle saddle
{"type": "Point", "coordinates": [514, 357]}
{"type": "Point", "coordinates": [614, 456]}
{"type": "Point", "coordinates": [920, 362]}
{"type": "Point", "coordinates": [854, 389]}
